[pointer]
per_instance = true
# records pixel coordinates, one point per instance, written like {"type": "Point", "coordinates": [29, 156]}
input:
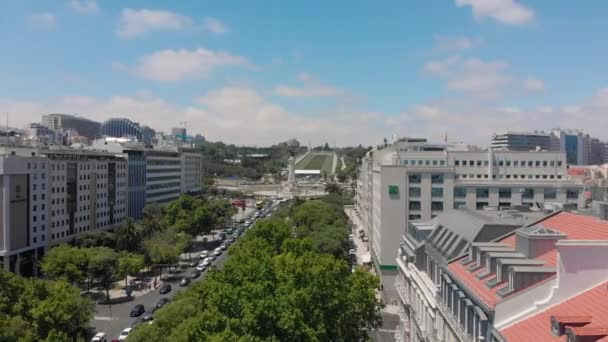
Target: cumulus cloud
{"type": "Point", "coordinates": [312, 87]}
{"type": "Point", "coordinates": [137, 22]}
{"type": "Point", "coordinates": [175, 65]}
{"type": "Point", "coordinates": [84, 6]}
{"type": "Point", "coordinates": [472, 76]}
{"type": "Point", "coordinates": [505, 11]}
{"type": "Point", "coordinates": [42, 20]}
{"type": "Point", "coordinates": [534, 85]}
{"type": "Point", "coordinates": [215, 26]}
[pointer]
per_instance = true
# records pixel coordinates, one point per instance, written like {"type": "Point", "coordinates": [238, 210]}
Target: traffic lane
{"type": "Point", "coordinates": [113, 319]}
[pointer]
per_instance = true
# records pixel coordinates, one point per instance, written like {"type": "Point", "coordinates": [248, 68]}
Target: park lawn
{"type": "Point", "coordinates": [314, 161]}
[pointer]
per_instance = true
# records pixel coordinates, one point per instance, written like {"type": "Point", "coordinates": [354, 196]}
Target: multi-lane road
{"type": "Point", "coordinates": [113, 319]}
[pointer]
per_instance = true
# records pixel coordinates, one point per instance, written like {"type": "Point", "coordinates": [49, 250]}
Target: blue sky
{"type": "Point", "coordinates": [339, 71]}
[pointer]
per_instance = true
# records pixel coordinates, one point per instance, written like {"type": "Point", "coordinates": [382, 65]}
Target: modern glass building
{"type": "Point", "coordinates": [122, 127]}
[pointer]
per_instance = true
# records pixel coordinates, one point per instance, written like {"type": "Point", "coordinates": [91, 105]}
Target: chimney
{"type": "Point", "coordinates": [560, 323]}
{"type": "Point", "coordinates": [586, 334]}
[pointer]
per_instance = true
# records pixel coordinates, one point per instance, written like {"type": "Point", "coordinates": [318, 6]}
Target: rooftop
{"type": "Point", "coordinates": [589, 308]}
{"type": "Point", "coordinates": [573, 226]}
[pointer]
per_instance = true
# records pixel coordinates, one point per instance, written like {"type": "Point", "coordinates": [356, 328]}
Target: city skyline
{"type": "Point", "coordinates": [351, 74]}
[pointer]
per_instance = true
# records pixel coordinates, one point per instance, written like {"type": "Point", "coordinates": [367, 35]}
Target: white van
{"type": "Point", "coordinates": [99, 337]}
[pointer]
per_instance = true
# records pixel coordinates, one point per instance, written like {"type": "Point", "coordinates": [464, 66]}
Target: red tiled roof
{"type": "Point", "coordinates": [537, 328]}
{"type": "Point", "coordinates": [574, 226]}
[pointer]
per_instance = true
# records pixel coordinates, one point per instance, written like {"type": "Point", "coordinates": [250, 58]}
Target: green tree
{"type": "Point", "coordinates": [129, 236]}
{"type": "Point", "coordinates": [129, 265]}
{"type": "Point", "coordinates": [165, 247]}
{"type": "Point", "coordinates": [152, 221]}
{"type": "Point", "coordinates": [103, 266]}
{"type": "Point", "coordinates": [94, 239]}
{"type": "Point", "coordinates": [333, 188]}
{"type": "Point", "coordinates": [66, 262]}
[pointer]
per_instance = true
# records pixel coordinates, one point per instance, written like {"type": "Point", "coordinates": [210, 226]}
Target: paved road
{"type": "Point", "coordinates": [113, 319]}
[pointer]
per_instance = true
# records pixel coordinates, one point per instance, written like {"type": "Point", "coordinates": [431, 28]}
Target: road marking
{"type": "Point", "coordinates": [104, 318]}
{"type": "Point", "coordinates": [386, 330]}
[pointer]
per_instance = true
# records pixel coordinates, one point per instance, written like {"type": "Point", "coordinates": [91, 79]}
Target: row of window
{"type": "Point", "coordinates": [423, 162]}
{"type": "Point", "coordinates": [42, 165]}
{"type": "Point", "coordinates": [416, 178]}
{"type": "Point", "coordinates": [485, 176]}
{"type": "Point", "coordinates": [526, 193]}
{"type": "Point", "coordinates": [514, 163]}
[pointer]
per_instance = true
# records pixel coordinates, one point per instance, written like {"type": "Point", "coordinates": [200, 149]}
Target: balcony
{"type": "Point", "coordinates": [402, 291]}
{"type": "Point", "coordinates": [453, 322]}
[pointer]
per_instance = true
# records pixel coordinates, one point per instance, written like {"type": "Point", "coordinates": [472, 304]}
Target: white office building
{"type": "Point", "coordinates": [51, 195]}
{"type": "Point", "coordinates": [415, 180]}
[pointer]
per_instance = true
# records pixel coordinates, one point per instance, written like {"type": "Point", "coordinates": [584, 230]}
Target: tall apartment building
{"type": "Point", "coordinates": [597, 152]}
{"type": "Point", "coordinates": [85, 127]}
{"type": "Point", "coordinates": [156, 174]}
{"type": "Point", "coordinates": [576, 145]}
{"type": "Point", "coordinates": [416, 181]}
{"type": "Point", "coordinates": [523, 141]}
{"type": "Point", "coordinates": [51, 195]}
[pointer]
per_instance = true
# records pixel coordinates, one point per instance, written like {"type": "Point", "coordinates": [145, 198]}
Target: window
{"type": "Point", "coordinates": [437, 178]}
{"type": "Point", "coordinates": [500, 163]}
{"type": "Point", "coordinates": [559, 163]}
{"type": "Point", "coordinates": [504, 193]}
{"type": "Point", "coordinates": [544, 163]}
{"type": "Point", "coordinates": [414, 205]}
{"type": "Point", "coordinates": [572, 194]}
{"type": "Point", "coordinates": [436, 205]}
{"type": "Point", "coordinates": [460, 192]}
{"type": "Point", "coordinates": [464, 163]}
{"type": "Point", "coordinates": [485, 163]}
{"type": "Point", "coordinates": [405, 162]}
{"type": "Point", "coordinates": [481, 205]}
{"type": "Point", "coordinates": [530, 163]}
{"type": "Point", "coordinates": [427, 162]}
{"type": "Point", "coordinates": [442, 162]}
{"type": "Point", "coordinates": [459, 204]}
{"type": "Point", "coordinates": [414, 217]}
{"type": "Point", "coordinates": [434, 162]}
{"type": "Point", "coordinates": [516, 163]}
{"type": "Point", "coordinates": [482, 192]}
{"type": "Point", "coordinates": [414, 178]}
{"type": "Point", "coordinates": [537, 163]}
{"type": "Point", "coordinates": [552, 163]}
{"type": "Point", "coordinates": [471, 162]}
{"type": "Point", "coordinates": [414, 192]}
{"type": "Point", "coordinates": [479, 163]}
{"type": "Point", "coordinates": [508, 163]}
{"type": "Point", "coordinates": [550, 193]}
{"type": "Point", "coordinates": [436, 192]}
{"type": "Point", "coordinates": [527, 193]}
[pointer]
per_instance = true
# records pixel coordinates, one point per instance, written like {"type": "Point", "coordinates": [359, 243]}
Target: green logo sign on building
{"type": "Point", "coordinates": [393, 190]}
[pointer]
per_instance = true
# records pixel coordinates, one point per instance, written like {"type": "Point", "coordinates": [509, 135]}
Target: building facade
{"type": "Point", "coordinates": [51, 195]}
{"type": "Point", "coordinates": [523, 141]}
{"type": "Point", "coordinates": [597, 152]}
{"type": "Point", "coordinates": [575, 144]}
{"type": "Point", "coordinates": [417, 181]}
{"type": "Point", "coordinates": [85, 127]}
{"type": "Point", "coordinates": [125, 128]}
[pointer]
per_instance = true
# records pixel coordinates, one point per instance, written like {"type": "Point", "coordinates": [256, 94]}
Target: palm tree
{"type": "Point", "coordinates": [129, 236]}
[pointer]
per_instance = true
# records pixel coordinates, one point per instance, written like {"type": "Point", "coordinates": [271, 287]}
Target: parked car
{"type": "Point", "coordinates": [211, 257]}
{"type": "Point", "coordinates": [232, 240]}
{"type": "Point", "coordinates": [201, 268]}
{"type": "Point", "coordinates": [137, 310]}
{"type": "Point", "coordinates": [161, 302]}
{"type": "Point", "coordinates": [217, 251]}
{"type": "Point", "coordinates": [203, 254]}
{"type": "Point", "coordinates": [184, 282]}
{"type": "Point", "coordinates": [99, 337]}
{"type": "Point", "coordinates": [123, 335]}
{"type": "Point", "coordinates": [223, 246]}
{"type": "Point", "coordinates": [174, 269]}
{"type": "Point", "coordinates": [195, 274]}
{"type": "Point", "coordinates": [205, 262]}
{"type": "Point", "coordinates": [148, 315]}
{"type": "Point", "coordinates": [165, 288]}
{"type": "Point", "coordinates": [229, 231]}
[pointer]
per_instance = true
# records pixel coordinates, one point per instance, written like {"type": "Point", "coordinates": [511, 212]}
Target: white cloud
{"type": "Point", "coordinates": [215, 26]}
{"type": "Point", "coordinates": [175, 65]}
{"type": "Point", "coordinates": [84, 6]}
{"type": "Point", "coordinates": [42, 20]}
{"type": "Point", "coordinates": [457, 43]}
{"type": "Point", "coordinates": [312, 87]}
{"type": "Point", "coordinates": [137, 22]}
{"type": "Point", "coordinates": [471, 76]}
{"type": "Point", "coordinates": [504, 11]}
{"type": "Point", "coordinates": [534, 84]}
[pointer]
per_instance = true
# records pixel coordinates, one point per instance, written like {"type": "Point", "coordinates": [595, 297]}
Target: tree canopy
{"type": "Point", "coordinates": [41, 310]}
{"type": "Point", "coordinates": [275, 286]}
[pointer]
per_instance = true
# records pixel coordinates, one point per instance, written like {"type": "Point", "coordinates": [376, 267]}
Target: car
{"type": "Point", "coordinates": [148, 315]}
{"type": "Point", "coordinates": [161, 302]}
{"type": "Point", "coordinates": [232, 240]}
{"type": "Point", "coordinates": [203, 254]}
{"type": "Point", "coordinates": [229, 231]}
{"type": "Point", "coordinates": [217, 251]}
{"type": "Point", "coordinates": [352, 251]}
{"type": "Point", "coordinates": [165, 288]}
{"type": "Point", "coordinates": [99, 337]}
{"type": "Point", "coordinates": [195, 274]}
{"type": "Point", "coordinates": [185, 281]}
{"type": "Point", "coordinates": [123, 335]}
{"type": "Point", "coordinates": [211, 257]}
{"type": "Point", "coordinates": [205, 262]}
{"type": "Point", "coordinates": [201, 268]}
{"type": "Point", "coordinates": [224, 246]}
{"type": "Point", "coordinates": [137, 310]}
{"type": "Point", "coordinates": [174, 269]}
